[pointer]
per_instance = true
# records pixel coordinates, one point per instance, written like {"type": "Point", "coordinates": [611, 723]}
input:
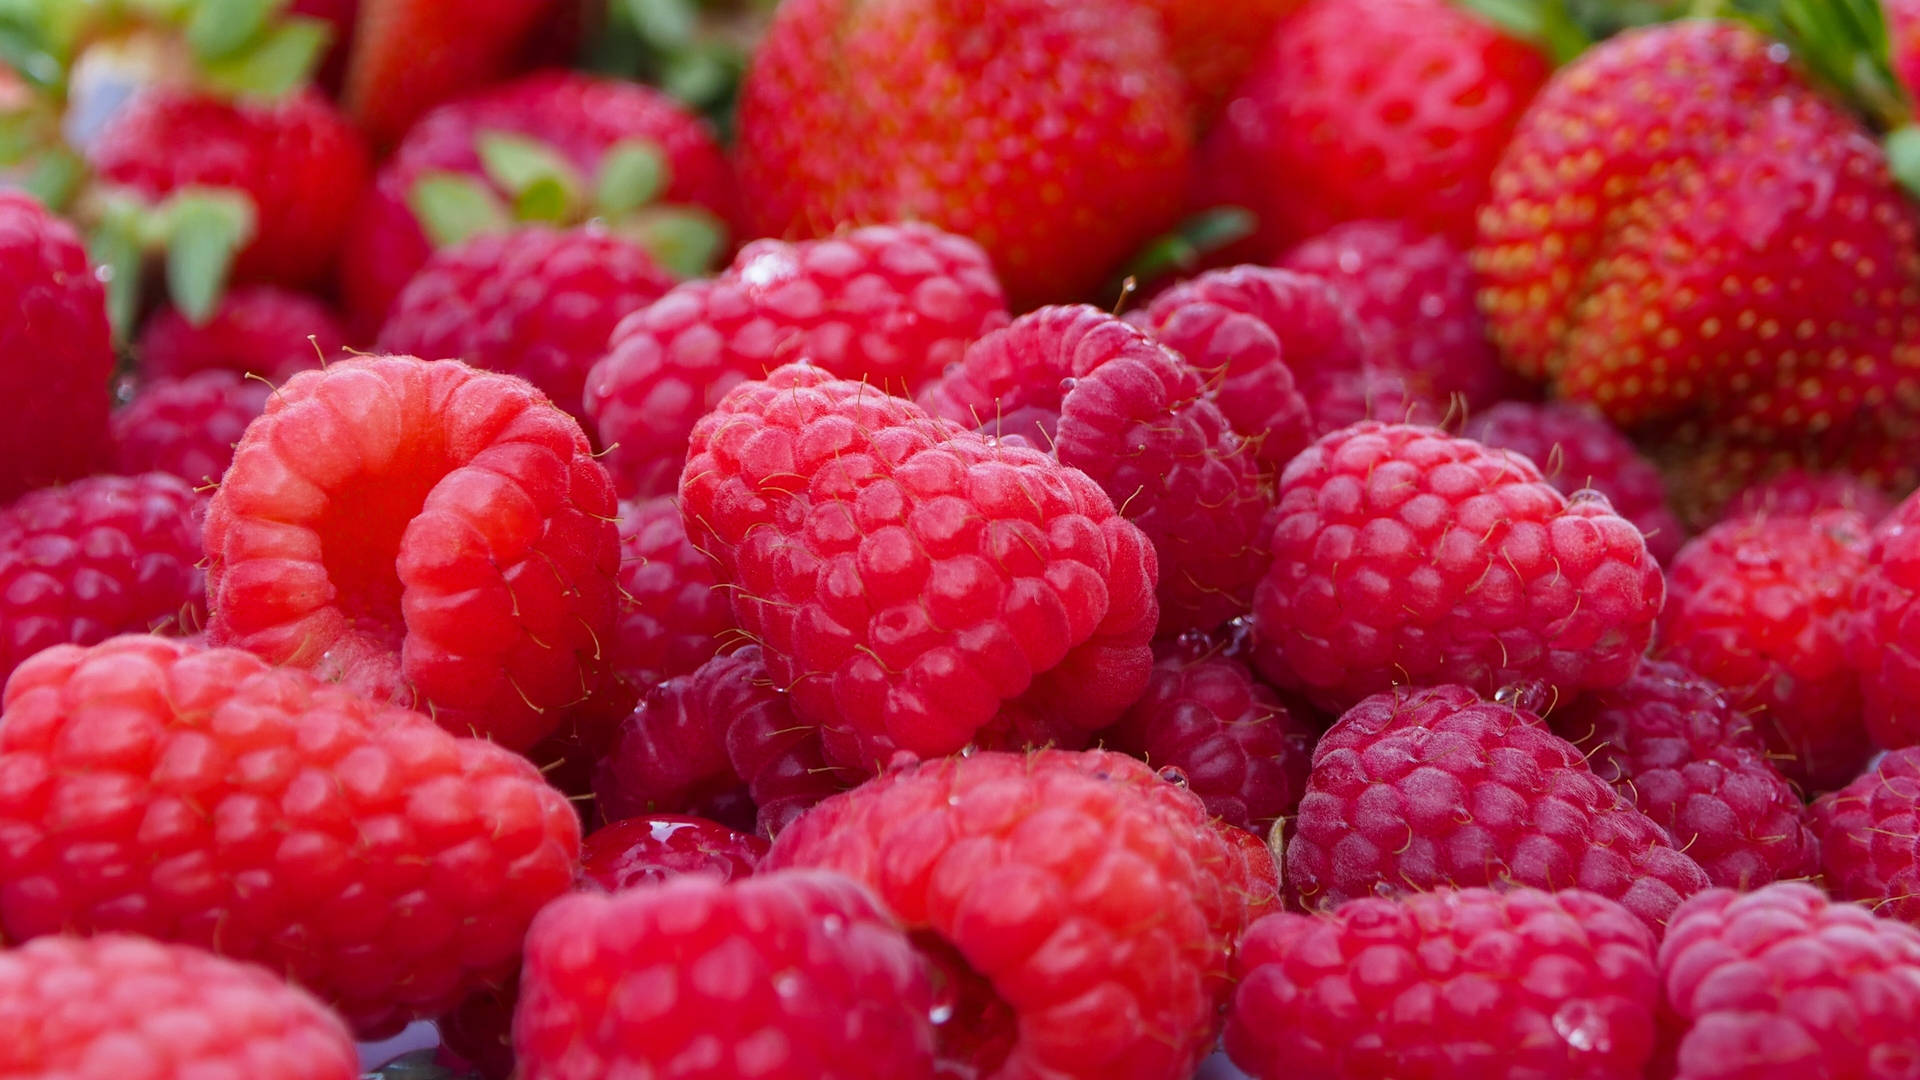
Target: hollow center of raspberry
{"type": "Point", "coordinates": [361, 533]}
{"type": "Point", "coordinates": [975, 1026]}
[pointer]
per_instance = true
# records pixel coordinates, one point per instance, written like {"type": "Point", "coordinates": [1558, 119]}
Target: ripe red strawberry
{"type": "Point", "coordinates": [649, 850]}
{"type": "Point", "coordinates": [429, 533]}
{"type": "Point", "coordinates": [1106, 399]}
{"type": "Point", "coordinates": [1213, 44]}
{"type": "Point", "coordinates": [256, 329]}
{"type": "Point", "coordinates": [410, 55]}
{"type": "Point", "coordinates": [1463, 984]}
{"type": "Point", "coordinates": [1416, 789]}
{"type": "Point", "coordinates": [1903, 26]}
{"type": "Point", "coordinates": [914, 585]}
{"type": "Point", "coordinates": [785, 976]}
{"type": "Point", "coordinates": [1054, 132]}
{"type": "Point", "coordinates": [673, 615]}
{"type": "Point", "coordinates": [115, 1006]}
{"type": "Point", "coordinates": [1868, 832]}
{"type": "Point", "coordinates": [384, 864]}
{"type": "Point", "coordinates": [55, 354]}
{"type": "Point", "coordinates": [1880, 650]}
{"type": "Point", "coordinates": [187, 427]}
{"type": "Point", "coordinates": [1393, 109]}
{"type": "Point", "coordinates": [1080, 910]}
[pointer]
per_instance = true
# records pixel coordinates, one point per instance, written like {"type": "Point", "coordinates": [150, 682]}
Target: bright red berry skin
{"type": "Point", "coordinates": [1214, 44]}
{"type": "Point", "coordinates": [893, 305]}
{"type": "Point", "coordinates": [1763, 606]}
{"type": "Point", "coordinates": [914, 585]}
{"type": "Point", "coordinates": [102, 556]}
{"type": "Point", "coordinates": [56, 357]}
{"type": "Point", "coordinates": [787, 976]}
{"type": "Point", "coordinates": [255, 329]}
{"type": "Point", "coordinates": [650, 850]}
{"type": "Point", "coordinates": [1404, 555]}
{"type": "Point", "coordinates": [1417, 296]}
{"type": "Point", "coordinates": [426, 531]}
{"type": "Point", "coordinates": [1884, 599]}
{"type": "Point", "coordinates": [1672, 745]}
{"type": "Point", "coordinates": [1784, 982]}
{"type": "Point", "coordinates": [202, 796]}
{"type": "Point", "coordinates": [1108, 400]}
{"type": "Point", "coordinates": [1392, 109]}
{"type": "Point", "coordinates": [1055, 133]}
{"type": "Point", "coordinates": [297, 160]}
{"type": "Point", "coordinates": [1799, 493]}
{"type": "Point", "coordinates": [673, 614]}
{"type": "Point", "coordinates": [1455, 984]}
{"type": "Point", "coordinates": [534, 302]}
{"type": "Point", "coordinates": [1417, 789]}
{"type": "Point", "coordinates": [1868, 836]}
{"type": "Point", "coordinates": [114, 1006]}
{"type": "Point", "coordinates": [1575, 447]}
{"type": "Point", "coordinates": [187, 427]}
{"type": "Point", "coordinates": [410, 55]}
{"type": "Point", "coordinates": [1081, 909]}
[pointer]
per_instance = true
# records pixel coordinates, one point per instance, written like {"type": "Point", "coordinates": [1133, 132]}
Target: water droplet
{"type": "Point", "coordinates": [1381, 888]}
{"type": "Point", "coordinates": [663, 830]}
{"type": "Point", "coordinates": [786, 984]}
{"type": "Point", "coordinates": [1531, 695]}
{"type": "Point", "coordinates": [1067, 384]}
{"type": "Point", "coordinates": [940, 1013]}
{"type": "Point", "coordinates": [1589, 495]}
{"type": "Point", "coordinates": [1349, 262]}
{"type": "Point", "coordinates": [1779, 53]}
{"type": "Point", "coordinates": [103, 274]}
{"type": "Point", "coordinates": [1172, 774]}
{"type": "Point", "coordinates": [1583, 1026]}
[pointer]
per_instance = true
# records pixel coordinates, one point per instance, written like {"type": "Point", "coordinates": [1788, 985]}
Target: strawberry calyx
{"type": "Point", "coordinates": [196, 232]}
{"type": "Point", "coordinates": [1548, 24]}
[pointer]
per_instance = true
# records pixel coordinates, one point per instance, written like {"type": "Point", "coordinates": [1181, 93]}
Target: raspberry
{"type": "Point", "coordinates": [255, 329]}
{"type": "Point", "coordinates": [1762, 607]}
{"type": "Point", "coordinates": [914, 585]}
{"type": "Point", "coordinates": [1081, 910]}
{"type": "Point", "coordinates": [784, 976]}
{"type": "Point", "coordinates": [1670, 744]}
{"type": "Point", "coordinates": [1800, 493]}
{"type": "Point", "coordinates": [1870, 836]}
{"type": "Point", "coordinates": [1884, 598]}
{"type": "Point", "coordinates": [114, 1006]}
{"type": "Point", "coordinates": [1406, 556]}
{"type": "Point", "coordinates": [1784, 982]}
{"type": "Point", "coordinates": [1109, 401]}
{"type": "Point", "coordinates": [1575, 447]}
{"type": "Point", "coordinates": [1240, 749]}
{"type": "Point", "coordinates": [205, 797]}
{"type": "Point", "coordinates": [102, 556]}
{"type": "Point", "coordinates": [1448, 985]}
{"type": "Point", "coordinates": [187, 427]}
{"type": "Point", "coordinates": [425, 530]}
{"type": "Point", "coordinates": [534, 302]}
{"type": "Point", "coordinates": [1415, 294]}
{"type": "Point", "coordinates": [673, 614]}
{"type": "Point", "coordinates": [1416, 789]}
{"type": "Point", "coordinates": [649, 850]}
{"type": "Point", "coordinates": [55, 355]}
{"type": "Point", "coordinates": [892, 304]}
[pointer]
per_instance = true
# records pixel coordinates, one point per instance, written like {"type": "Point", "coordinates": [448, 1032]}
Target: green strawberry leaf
{"type": "Point", "coordinates": [1191, 241]}
{"type": "Point", "coordinates": [664, 24]}
{"type": "Point", "coordinates": [116, 248]}
{"type": "Point", "coordinates": [53, 178]}
{"type": "Point", "coordinates": [453, 206]}
{"type": "Point", "coordinates": [633, 173]}
{"type": "Point", "coordinates": [543, 184]}
{"type": "Point", "coordinates": [206, 229]}
{"type": "Point", "coordinates": [684, 240]}
{"type": "Point", "coordinates": [280, 61]}
{"type": "Point", "coordinates": [1846, 43]}
{"type": "Point", "coordinates": [1546, 23]}
{"type": "Point", "coordinates": [1903, 157]}
{"type": "Point", "coordinates": [221, 28]}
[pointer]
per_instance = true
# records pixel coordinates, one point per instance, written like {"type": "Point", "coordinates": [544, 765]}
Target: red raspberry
{"type": "Point", "coordinates": [1575, 447]}
{"type": "Point", "coordinates": [187, 427]}
{"type": "Point", "coordinates": [257, 329]}
{"type": "Point", "coordinates": [102, 556]}
{"type": "Point", "coordinates": [1800, 493]}
{"type": "Point", "coordinates": [1240, 749]}
{"type": "Point", "coordinates": [1762, 606]}
{"type": "Point", "coordinates": [1670, 744]}
{"type": "Point", "coordinates": [1109, 401]}
{"type": "Point", "coordinates": [1416, 789]}
{"type": "Point", "coordinates": [892, 304]}
{"type": "Point", "coordinates": [1870, 836]}
{"type": "Point", "coordinates": [1449, 985]}
{"type": "Point", "coordinates": [1406, 556]}
{"type": "Point", "coordinates": [203, 796]}
{"type": "Point", "coordinates": [1884, 599]}
{"type": "Point", "coordinates": [55, 354]}
{"type": "Point", "coordinates": [785, 976]}
{"type": "Point", "coordinates": [534, 302]}
{"type": "Point", "coordinates": [115, 1006]}
{"type": "Point", "coordinates": [425, 530]}
{"type": "Point", "coordinates": [673, 614]}
{"type": "Point", "coordinates": [1784, 982]}
{"type": "Point", "coordinates": [649, 850]}
{"type": "Point", "coordinates": [916, 586]}
{"type": "Point", "coordinates": [1416, 295]}
{"type": "Point", "coordinates": [1080, 909]}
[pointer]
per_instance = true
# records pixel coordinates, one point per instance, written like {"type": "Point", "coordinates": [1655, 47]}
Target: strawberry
{"type": "Point", "coordinates": [1214, 43]}
{"type": "Point", "coordinates": [410, 55]}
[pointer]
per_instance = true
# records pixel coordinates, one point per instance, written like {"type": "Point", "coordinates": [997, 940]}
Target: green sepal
{"type": "Point", "coordinates": [1546, 23]}
{"type": "Point", "coordinates": [453, 206]}
{"type": "Point", "coordinates": [38, 37]}
{"type": "Point", "coordinates": [664, 24]}
{"type": "Point", "coordinates": [116, 247]}
{"type": "Point", "coordinates": [206, 228]}
{"type": "Point", "coordinates": [281, 59]}
{"type": "Point", "coordinates": [684, 240]}
{"type": "Point", "coordinates": [221, 28]}
{"type": "Point", "coordinates": [1191, 241]}
{"type": "Point", "coordinates": [543, 184]}
{"type": "Point", "coordinates": [1903, 157]}
{"type": "Point", "coordinates": [1846, 43]}
{"type": "Point", "coordinates": [633, 173]}
{"type": "Point", "coordinates": [53, 178]}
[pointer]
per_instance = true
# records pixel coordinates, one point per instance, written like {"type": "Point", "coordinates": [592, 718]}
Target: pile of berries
{"type": "Point", "coordinates": [1070, 539]}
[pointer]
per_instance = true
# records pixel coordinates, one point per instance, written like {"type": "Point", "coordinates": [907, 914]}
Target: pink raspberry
{"type": "Point", "coordinates": [1416, 294]}
{"type": "Point", "coordinates": [674, 615]}
{"type": "Point", "coordinates": [1456, 984]}
{"type": "Point", "coordinates": [1763, 607]}
{"type": "Point", "coordinates": [1884, 600]}
{"type": "Point", "coordinates": [102, 556]}
{"type": "Point", "coordinates": [1800, 493]}
{"type": "Point", "coordinates": [262, 330]}
{"type": "Point", "coordinates": [649, 850]}
{"type": "Point", "coordinates": [1784, 982]}
{"type": "Point", "coordinates": [1670, 744]}
{"type": "Point", "coordinates": [893, 305]}
{"type": "Point", "coordinates": [1576, 447]}
{"type": "Point", "coordinates": [1407, 556]}
{"type": "Point", "coordinates": [1109, 401]}
{"type": "Point", "coordinates": [915, 585]}
{"type": "Point", "coordinates": [187, 427]}
{"type": "Point", "coordinates": [786, 976]}
{"type": "Point", "coordinates": [1416, 789]}
{"type": "Point", "coordinates": [1870, 836]}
